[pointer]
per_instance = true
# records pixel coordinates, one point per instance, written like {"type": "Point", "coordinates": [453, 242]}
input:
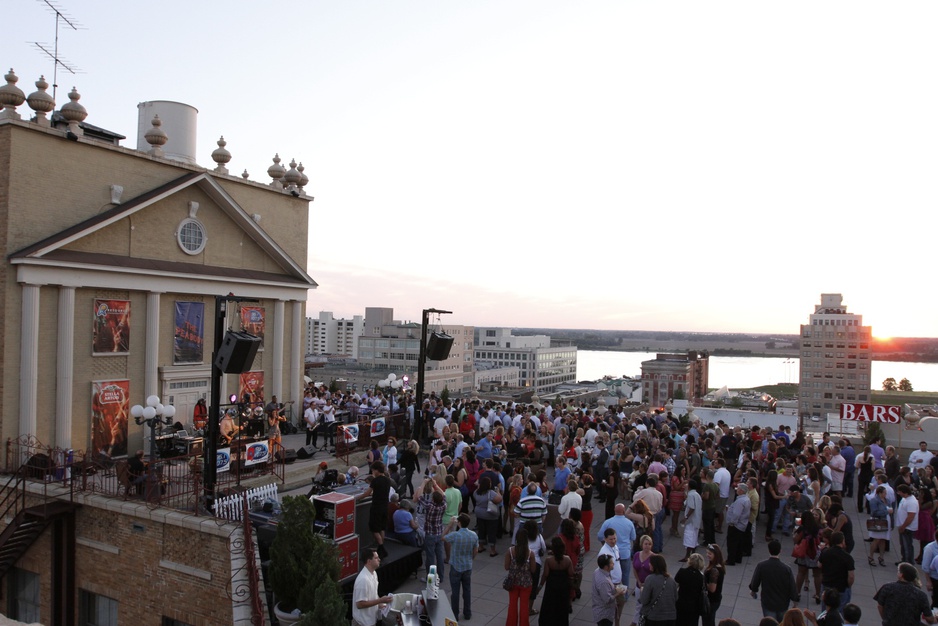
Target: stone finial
{"type": "Point", "coordinates": [292, 177]}
{"type": "Point", "coordinates": [11, 97]}
{"type": "Point", "coordinates": [304, 179]}
{"type": "Point", "coordinates": [41, 102]}
{"type": "Point", "coordinates": [276, 172]}
{"type": "Point", "coordinates": [245, 174]}
{"type": "Point", "coordinates": [156, 137]}
{"type": "Point", "coordinates": [74, 112]}
{"type": "Point", "coordinates": [221, 156]}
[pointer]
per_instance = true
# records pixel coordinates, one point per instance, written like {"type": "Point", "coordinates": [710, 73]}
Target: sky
{"type": "Point", "coordinates": [686, 166]}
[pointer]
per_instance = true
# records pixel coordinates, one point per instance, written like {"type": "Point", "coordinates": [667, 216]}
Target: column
{"type": "Point", "coordinates": [276, 385]}
{"type": "Point", "coordinates": [29, 360]}
{"type": "Point", "coordinates": [151, 377]}
{"type": "Point", "coordinates": [64, 368]}
{"type": "Point", "coordinates": [297, 353]}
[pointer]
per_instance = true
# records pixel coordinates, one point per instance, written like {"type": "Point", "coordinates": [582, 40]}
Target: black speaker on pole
{"type": "Point", "coordinates": [439, 346]}
{"type": "Point", "coordinates": [237, 351]}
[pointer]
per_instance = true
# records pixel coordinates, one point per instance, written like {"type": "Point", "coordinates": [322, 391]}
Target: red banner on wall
{"type": "Point", "coordinates": [871, 413]}
{"type": "Point", "coordinates": [110, 406]}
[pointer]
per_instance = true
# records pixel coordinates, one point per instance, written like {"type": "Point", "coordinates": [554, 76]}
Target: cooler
{"type": "Point", "coordinates": [335, 515]}
{"type": "Point", "coordinates": [348, 556]}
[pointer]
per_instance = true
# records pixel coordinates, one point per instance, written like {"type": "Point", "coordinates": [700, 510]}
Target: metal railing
{"type": "Point", "coordinates": [179, 477]}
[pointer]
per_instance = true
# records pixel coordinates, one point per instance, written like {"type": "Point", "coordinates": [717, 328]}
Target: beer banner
{"type": "Point", "coordinates": [110, 411]}
{"type": "Point", "coordinates": [251, 387]}
{"type": "Point", "coordinates": [253, 321]}
{"type": "Point", "coordinates": [111, 331]}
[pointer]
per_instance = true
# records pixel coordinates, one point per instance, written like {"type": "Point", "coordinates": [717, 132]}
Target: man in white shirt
{"type": "Point", "coordinates": [570, 500]}
{"type": "Point", "coordinates": [921, 457]}
{"type": "Point", "coordinates": [722, 477]}
{"type": "Point", "coordinates": [366, 605]}
{"type": "Point", "coordinates": [311, 418]}
{"type": "Point", "coordinates": [610, 549]}
{"type": "Point", "coordinates": [438, 425]}
{"type": "Point", "coordinates": [838, 465]}
{"type": "Point", "coordinates": [907, 522]}
{"type": "Point", "coordinates": [692, 518]}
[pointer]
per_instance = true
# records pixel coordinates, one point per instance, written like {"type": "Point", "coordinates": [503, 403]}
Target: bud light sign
{"type": "Point", "coordinates": [871, 413]}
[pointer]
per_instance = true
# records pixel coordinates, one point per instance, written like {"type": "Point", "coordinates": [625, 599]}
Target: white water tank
{"type": "Point", "coordinates": [179, 124]}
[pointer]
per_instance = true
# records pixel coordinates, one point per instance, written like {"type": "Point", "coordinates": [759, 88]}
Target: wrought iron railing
{"type": "Point", "coordinates": [179, 477]}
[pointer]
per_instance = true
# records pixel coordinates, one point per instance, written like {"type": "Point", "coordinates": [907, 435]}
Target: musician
{"type": "Point", "coordinates": [311, 416]}
{"type": "Point", "coordinates": [200, 414]}
{"type": "Point", "coordinates": [273, 429]}
{"type": "Point", "coordinates": [328, 414]}
{"type": "Point", "coordinates": [226, 427]}
{"type": "Point", "coordinates": [272, 406]}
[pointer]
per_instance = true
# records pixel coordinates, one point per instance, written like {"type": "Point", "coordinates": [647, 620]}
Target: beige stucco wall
{"type": "Point", "coordinates": [48, 184]}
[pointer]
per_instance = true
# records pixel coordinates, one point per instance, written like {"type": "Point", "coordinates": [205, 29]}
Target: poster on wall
{"type": "Point", "coordinates": [252, 321]}
{"type": "Point", "coordinates": [251, 387]}
{"type": "Point", "coordinates": [110, 411]}
{"type": "Point", "coordinates": [188, 338]}
{"type": "Point", "coordinates": [111, 333]}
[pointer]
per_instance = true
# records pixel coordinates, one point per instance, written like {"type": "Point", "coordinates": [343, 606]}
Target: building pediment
{"type": "Point", "coordinates": [189, 227]}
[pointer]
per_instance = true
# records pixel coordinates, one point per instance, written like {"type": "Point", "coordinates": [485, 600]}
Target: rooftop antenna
{"type": "Point", "coordinates": [60, 18]}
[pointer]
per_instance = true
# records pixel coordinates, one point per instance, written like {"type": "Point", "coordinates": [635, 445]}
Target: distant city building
{"type": "Point", "coordinates": [836, 354]}
{"type": "Point", "coordinates": [395, 346]}
{"type": "Point", "coordinates": [686, 375]}
{"type": "Point", "coordinates": [541, 366]}
{"type": "Point", "coordinates": [488, 376]}
{"type": "Point", "coordinates": [327, 335]}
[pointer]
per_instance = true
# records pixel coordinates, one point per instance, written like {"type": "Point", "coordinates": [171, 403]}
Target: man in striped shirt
{"type": "Point", "coordinates": [529, 507]}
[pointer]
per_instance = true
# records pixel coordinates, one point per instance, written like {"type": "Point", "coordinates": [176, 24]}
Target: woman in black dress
{"type": "Point", "coordinates": [864, 475]}
{"type": "Point", "coordinates": [714, 574]}
{"type": "Point", "coordinates": [555, 579]}
{"type": "Point", "coordinates": [611, 488]}
{"type": "Point", "coordinates": [690, 581]}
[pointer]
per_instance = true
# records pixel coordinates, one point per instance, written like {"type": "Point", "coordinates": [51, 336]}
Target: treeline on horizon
{"type": "Point", "coordinates": [918, 349]}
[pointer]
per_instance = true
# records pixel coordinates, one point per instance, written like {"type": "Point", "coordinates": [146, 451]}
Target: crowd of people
{"type": "Point", "coordinates": [507, 464]}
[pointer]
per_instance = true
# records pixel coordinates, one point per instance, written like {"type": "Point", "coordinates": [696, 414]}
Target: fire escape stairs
{"type": "Point", "coordinates": [27, 526]}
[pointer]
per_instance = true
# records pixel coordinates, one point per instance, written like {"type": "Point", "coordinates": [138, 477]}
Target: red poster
{"type": "Point", "coordinates": [251, 387]}
{"type": "Point", "coordinates": [111, 332]}
{"type": "Point", "coordinates": [110, 407]}
{"type": "Point", "coordinates": [253, 321]}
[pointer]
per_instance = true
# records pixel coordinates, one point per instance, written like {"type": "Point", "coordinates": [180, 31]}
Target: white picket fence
{"type": "Point", "coordinates": [231, 507]}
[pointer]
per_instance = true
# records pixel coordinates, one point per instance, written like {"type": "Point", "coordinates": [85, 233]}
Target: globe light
{"type": "Point", "coordinates": [149, 412]}
{"type": "Point", "coordinates": [136, 410]}
{"type": "Point", "coordinates": [169, 411]}
{"type": "Point", "coordinates": [153, 400]}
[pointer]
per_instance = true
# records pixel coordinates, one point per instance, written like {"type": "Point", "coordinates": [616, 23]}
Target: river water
{"type": "Point", "coordinates": [742, 372]}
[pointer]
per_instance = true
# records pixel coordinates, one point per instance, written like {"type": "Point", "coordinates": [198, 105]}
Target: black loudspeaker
{"type": "Point", "coordinates": [439, 346]}
{"type": "Point", "coordinates": [287, 455]}
{"type": "Point", "coordinates": [306, 452]}
{"type": "Point", "coordinates": [236, 354]}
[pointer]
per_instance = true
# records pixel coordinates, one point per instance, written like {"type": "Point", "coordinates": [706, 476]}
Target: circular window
{"type": "Point", "coordinates": [191, 236]}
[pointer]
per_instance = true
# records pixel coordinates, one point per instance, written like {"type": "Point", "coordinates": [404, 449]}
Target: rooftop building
{"type": "Point", "coordinates": [542, 365]}
{"type": "Point", "coordinates": [836, 354]}
{"type": "Point", "coordinates": [674, 376]}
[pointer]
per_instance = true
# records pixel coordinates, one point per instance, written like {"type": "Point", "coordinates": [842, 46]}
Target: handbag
{"type": "Point", "coordinates": [513, 578]}
{"type": "Point", "coordinates": [491, 507]}
{"type": "Point", "coordinates": [643, 616]}
{"type": "Point", "coordinates": [704, 599]}
{"type": "Point", "coordinates": [875, 524]}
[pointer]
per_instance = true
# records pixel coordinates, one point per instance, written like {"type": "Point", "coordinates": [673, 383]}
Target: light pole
{"type": "Point", "coordinates": [153, 414]}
